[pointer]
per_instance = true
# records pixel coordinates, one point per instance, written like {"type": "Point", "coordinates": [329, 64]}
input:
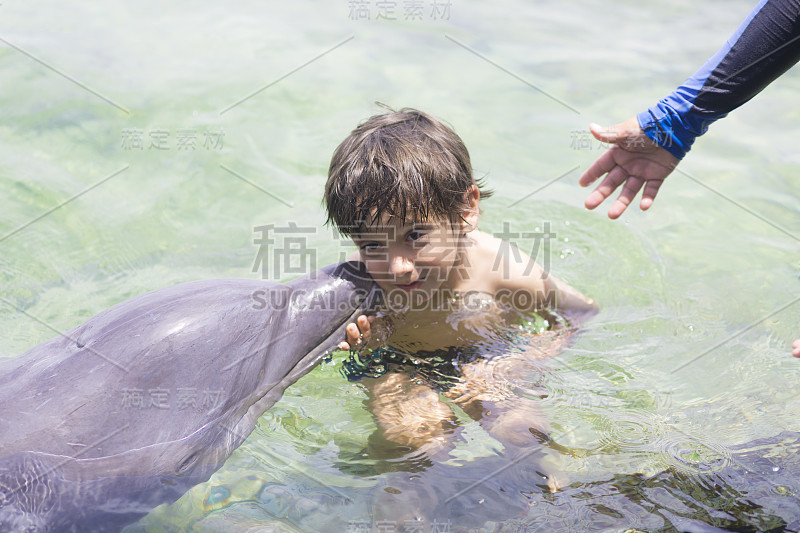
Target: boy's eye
{"type": "Point", "coordinates": [370, 247]}
{"type": "Point", "coordinates": [417, 238]}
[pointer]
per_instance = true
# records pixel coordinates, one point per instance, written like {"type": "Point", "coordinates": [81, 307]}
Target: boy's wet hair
{"type": "Point", "coordinates": [405, 163]}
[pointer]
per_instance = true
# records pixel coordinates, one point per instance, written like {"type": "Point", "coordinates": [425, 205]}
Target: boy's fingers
{"type": "Point", "coordinates": [353, 334]}
{"type": "Point", "coordinates": [343, 346]}
{"type": "Point", "coordinates": [364, 326]}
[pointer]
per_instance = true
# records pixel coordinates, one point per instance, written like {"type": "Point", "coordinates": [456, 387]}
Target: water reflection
{"type": "Point", "coordinates": [757, 491]}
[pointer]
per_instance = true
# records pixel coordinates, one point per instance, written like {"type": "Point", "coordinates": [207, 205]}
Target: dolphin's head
{"type": "Point", "coordinates": [300, 322]}
{"type": "Point", "coordinates": [297, 324]}
{"type": "Point", "coordinates": [307, 320]}
{"type": "Point", "coordinates": [328, 298]}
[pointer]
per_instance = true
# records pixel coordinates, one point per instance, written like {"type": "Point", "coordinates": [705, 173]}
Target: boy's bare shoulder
{"type": "Point", "coordinates": [498, 263]}
{"type": "Point", "coordinates": [489, 248]}
{"type": "Point", "coordinates": [484, 250]}
{"type": "Point", "coordinates": [501, 266]}
{"type": "Point", "coordinates": [482, 242]}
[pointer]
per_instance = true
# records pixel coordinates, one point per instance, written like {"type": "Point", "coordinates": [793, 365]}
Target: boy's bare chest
{"type": "Point", "coordinates": [466, 320]}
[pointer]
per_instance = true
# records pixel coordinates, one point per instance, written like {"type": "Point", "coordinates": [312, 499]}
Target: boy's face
{"type": "Point", "coordinates": [409, 260]}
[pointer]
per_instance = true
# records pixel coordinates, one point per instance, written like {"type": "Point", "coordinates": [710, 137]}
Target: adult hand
{"type": "Point", "coordinates": [634, 160]}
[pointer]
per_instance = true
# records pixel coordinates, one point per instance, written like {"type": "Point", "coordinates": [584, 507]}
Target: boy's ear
{"type": "Point", "coordinates": [469, 217]}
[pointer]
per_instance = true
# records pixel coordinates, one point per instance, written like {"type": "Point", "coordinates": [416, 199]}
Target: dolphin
{"type": "Point", "coordinates": [148, 398]}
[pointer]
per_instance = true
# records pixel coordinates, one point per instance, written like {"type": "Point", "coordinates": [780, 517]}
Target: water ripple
{"type": "Point", "coordinates": [631, 430]}
{"type": "Point", "coordinates": [693, 454]}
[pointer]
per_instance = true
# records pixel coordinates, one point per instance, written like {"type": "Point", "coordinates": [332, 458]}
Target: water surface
{"type": "Point", "coordinates": [142, 144]}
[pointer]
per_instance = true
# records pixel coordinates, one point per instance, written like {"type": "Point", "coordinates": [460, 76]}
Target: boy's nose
{"type": "Point", "coordinates": [401, 265]}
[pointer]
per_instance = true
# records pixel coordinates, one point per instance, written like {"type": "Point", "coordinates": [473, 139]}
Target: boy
{"type": "Point", "coordinates": [401, 186]}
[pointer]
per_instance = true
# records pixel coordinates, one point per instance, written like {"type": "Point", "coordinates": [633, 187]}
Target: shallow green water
{"type": "Point", "coordinates": [688, 357]}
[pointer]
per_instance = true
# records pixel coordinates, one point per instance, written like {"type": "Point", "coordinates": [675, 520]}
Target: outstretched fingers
{"type": "Point", "coordinates": [604, 163]}
{"type": "Point", "coordinates": [629, 192]}
{"type": "Point", "coordinates": [616, 177]}
{"type": "Point", "coordinates": [649, 194]}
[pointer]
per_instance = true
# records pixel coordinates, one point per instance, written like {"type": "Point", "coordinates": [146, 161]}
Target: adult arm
{"type": "Point", "coordinates": [650, 145]}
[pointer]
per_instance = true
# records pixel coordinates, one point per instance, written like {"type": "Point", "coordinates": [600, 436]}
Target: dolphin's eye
{"type": "Point", "coordinates": [188, 463]}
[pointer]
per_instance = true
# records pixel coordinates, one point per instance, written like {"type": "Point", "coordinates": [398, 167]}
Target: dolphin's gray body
{"type": "Point", "coordinates": [148, 398]}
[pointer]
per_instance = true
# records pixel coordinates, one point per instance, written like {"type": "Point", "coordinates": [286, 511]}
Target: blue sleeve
{"type": "Point", "coordinates": [765, 46]}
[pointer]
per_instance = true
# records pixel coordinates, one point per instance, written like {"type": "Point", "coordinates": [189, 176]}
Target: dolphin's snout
{"type": "Point", "coordinates": [348, 288]}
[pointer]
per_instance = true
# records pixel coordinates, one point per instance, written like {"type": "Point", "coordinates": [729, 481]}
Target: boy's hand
{"type": "Point", "coordinates": [358, 333]}
{"type": "Point", "coordinates": [634, 160]}
{"type": "Point", "coordinates": [796, 348]}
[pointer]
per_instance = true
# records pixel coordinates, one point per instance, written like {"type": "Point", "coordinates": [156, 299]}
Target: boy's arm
{"type": "Point", "coordinates": [551, 291]}
{"type": "Point", "coordinates": [568, 298]}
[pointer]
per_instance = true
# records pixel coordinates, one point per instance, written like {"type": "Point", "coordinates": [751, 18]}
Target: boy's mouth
{"type": "Point", "coordinates": [411, 286]}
